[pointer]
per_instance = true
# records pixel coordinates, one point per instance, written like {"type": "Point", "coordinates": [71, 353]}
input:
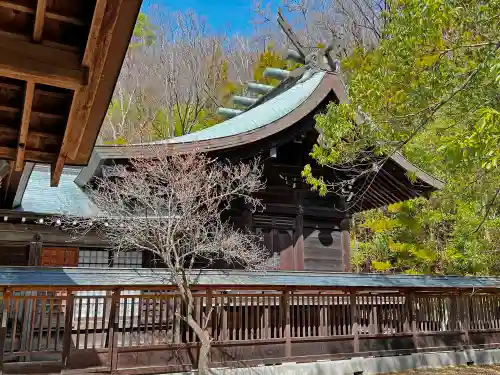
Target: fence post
{"type": "Point", "coordinates": [68, 327]}
{"type": "Point", "coordinates": [453, 313]}
{"type": "Point", "coordinates": [285, 306]}
{"type": "Point", "coordinates": [354, 320]}
{"type": "Point", "coordinates": [112, 330]}
{"type": "Point", "coordinates": [209, 313]}
{"type": "Point", "coordinates": [413, 318]}
{"type": "Point", "coordinates": [3, 327]}
{"type": "Point", "coordinates": [407, 313]}
{"type": "Point", "coordinates": [465, 317]}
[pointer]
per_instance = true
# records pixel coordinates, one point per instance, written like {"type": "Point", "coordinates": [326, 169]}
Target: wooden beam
{"type": "Point", "coordinates": [14, 234]}
{"type": "Point", "coordinates": [9, 132]}
{"type": "Point", "coordinates": [47, 115]}
{"type": "Point", "coordinates": [4, 169]}
{"type": "Point", "coordinates": [25, 123]}
{"type": "Point", "coordinates": [29, 61]}
{"type": "Point", "coordinates": [8, 153]}
{"type": "Point", "coordinates": [22, 184]}
{"type": "Point", "coordinates": [56, 170]}
{"type": "Point", "coordinates": [39, 20]}
{"type": "Point", "coordinates": [50, 15]}
{"type": "Point", "coordinates": [46, 43]}
{"type": "Point", "coordinates": [9, 186]}
{"type": "Point", "coordinates": [95, 28]}
{"type": "Point", "coordinates": [96, 58]}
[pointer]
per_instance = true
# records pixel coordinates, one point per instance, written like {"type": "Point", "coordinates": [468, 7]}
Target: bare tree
{"type": "Point", "coordinates": [350, 23]}
{"type": "Point", "coordinates": [132, 109]}
{"type": "Point", "coordinates": [172, 207]}
{"type": "Point", "coordinates": [173, 86]}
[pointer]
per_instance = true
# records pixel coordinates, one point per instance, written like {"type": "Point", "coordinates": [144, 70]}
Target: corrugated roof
{"type": "Point", "coordinates": [105, 277]}
{"type": "Point", "coordinates": [67, 198]}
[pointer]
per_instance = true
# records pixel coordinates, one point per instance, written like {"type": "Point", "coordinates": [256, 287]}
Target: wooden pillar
{"type": "Point", "coordinates": [225, 315]}
{"type": "Point", "coordinates": [68, 327]}
{"type": "Point", "coordinates": [345, 240]}
{"type": "Point", "coordinates": [410, 303]}
{"type": "Point", "coordinates": [465, 317]}
{"type": "Point", "coordinates": [408, 311]}
{"type": "Point", "coordinates": [34, 260]}
{"type": "Point", "coordinates": [453, 312]}
{"type": "Point", "coordinates": [373, 324]}
{"type": "Point", "coordinates": [3, 326]}
{"type": "Point", "coordinates": [35, 251]}
{"type": "Point", "coordinates": [113, 322]}
{"type": "Point", "coordinates": [285, 313]}
{"type": "Point", "coordinates": [354, 320]}
{"type": "Point", "coordinates": [209, 313]}
{"type": "Point", "coordinates": [299, 232]}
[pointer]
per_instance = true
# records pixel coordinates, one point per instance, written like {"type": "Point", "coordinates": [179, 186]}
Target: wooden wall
{"type": "Point", "coordinates": [322, 250]}
{"type": "Point", "coordinates": [14, 255]}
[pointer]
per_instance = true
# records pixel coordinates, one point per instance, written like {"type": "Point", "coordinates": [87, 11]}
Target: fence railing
{"type": "Point", "coordinates": [124, 328]}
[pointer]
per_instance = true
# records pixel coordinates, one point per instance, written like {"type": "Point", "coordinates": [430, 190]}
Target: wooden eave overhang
{"type": "Point", "coordinates": [58, 67]}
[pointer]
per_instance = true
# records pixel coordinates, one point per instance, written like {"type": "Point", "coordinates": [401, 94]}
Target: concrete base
{"type": "Point", "coordinates": [370, 365]}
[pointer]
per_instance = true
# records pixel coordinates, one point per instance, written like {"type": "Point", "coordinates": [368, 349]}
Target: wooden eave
{"type": "Point", "coordinates": [59, 63]}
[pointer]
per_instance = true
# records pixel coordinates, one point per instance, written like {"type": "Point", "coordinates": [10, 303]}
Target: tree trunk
{"type": "Point", "coordinates": [204, 336]}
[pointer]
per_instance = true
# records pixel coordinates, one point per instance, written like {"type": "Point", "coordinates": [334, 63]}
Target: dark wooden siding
{"type": "Point", "coordinates": [322, 250]}
{"type": "Point", "coordinates": [13, 255]}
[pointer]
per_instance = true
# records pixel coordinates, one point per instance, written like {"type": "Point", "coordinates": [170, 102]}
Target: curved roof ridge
{"type": "Point", "coordinates": [277, 105]}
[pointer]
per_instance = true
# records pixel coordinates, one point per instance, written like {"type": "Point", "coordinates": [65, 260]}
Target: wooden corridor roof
{"type": "Point", "coordinates": [59, 62]}
{"type": "Point", "coordinates": [33, 277]}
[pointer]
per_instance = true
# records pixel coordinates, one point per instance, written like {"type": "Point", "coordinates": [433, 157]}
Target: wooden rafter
{"type": "Point", "coordinates": [30, 57]}
{"type": "Point", "coordinates": [39, 20]}
{"type": "Point", "coordinates": [25, 122]}
{"type": "Point", "coordinates": [35, 62]}
{"type": "Point", "coordinates": [50, 15]}
{"type": "Point", "coordinates": [56, 170]}
{"type": "Point", "coordinates": [54, 116]}
{"type": "Point", "coordinates": [8, 153]}
{"type": "Point", "coordinates": [95, 28]}
{"type": "Point", "coordinates": [9, 186]}
{"type": "Point", "coordinates": [100, 35]}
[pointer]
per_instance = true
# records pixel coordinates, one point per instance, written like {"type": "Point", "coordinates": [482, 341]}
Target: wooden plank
{"type": "Point", "coordinates": [50, 15]}
{"type": "Point", "coordinates": [299, 243]}
{"type": "Point", "coordinates": [354, 321]}
{"type": "Point", "coordinates": [95, 28]}
{"type": "Point", "coordinates": [28, 61]}
{"type": "Point", "coordinates": [285, 313]}
{"type": "Point", "coordinates": [3, 326]}
{"type": "Point", "coordinates": [56, 170]}
{"type": "Point", "coordinates": [39, 20]}
{"type": "Point", "coordinates": [9, 186]}
{"type": "Point", "coordinates": [25, 123]}
{"type": "Point", "coordinates": [346, 244]}
{"type": "Point", "coordinates": [113, 330]}
{"type": "Point", "coordinates": [8, 153]}
{"type": "Point", "coordinates": [83, 98]}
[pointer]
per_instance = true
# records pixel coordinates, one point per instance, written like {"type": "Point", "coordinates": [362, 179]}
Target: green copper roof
{"type": "Point", "coordinates": [258, 116]}
{"type": "Point", "coordinates": [67, 198]}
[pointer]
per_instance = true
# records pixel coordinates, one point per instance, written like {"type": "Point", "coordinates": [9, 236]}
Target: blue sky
{"type": "Point", "coordinates": [220, 14]}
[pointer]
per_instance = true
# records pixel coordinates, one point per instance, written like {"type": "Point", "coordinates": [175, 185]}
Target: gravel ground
{"type": "Point", "coordinates": [459, 370]}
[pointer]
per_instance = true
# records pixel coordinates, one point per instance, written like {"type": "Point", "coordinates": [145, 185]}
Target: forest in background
{"type": "Point", "coordinates": [424, 74]}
